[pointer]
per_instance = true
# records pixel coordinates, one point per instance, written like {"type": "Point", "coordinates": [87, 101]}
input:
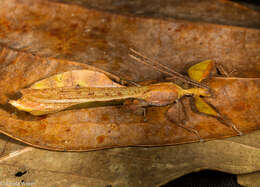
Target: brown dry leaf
{"type": "Point", "coordinates": [101, 127]}
{"type": "Point", "coordinates": [247, 180]}
{"type": "Point", "coordinates": [221, 12]}
{"type": "Point", "coordinates": [131, 166]}
{"type": "Point", "coordinates": [52, 29]}
{"type": "Point", "coordinates": [102, 39]}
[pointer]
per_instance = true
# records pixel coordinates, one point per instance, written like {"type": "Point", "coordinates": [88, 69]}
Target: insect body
{"type": "Point", "coordinates": [44, 101]}
{"type": "Point", "coordinates": [50, 100]}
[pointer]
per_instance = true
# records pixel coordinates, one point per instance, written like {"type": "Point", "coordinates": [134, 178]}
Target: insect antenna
{"type": "Point", "coordinates": [164, 69]}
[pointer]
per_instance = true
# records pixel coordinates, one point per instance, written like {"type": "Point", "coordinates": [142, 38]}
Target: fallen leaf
{"type": "Point", "coordinates": [225, 12]}
{"type": "Point", "coordinates": [114, 166]}
{"type": "Point", "coordinates": [103, 127]}
{"type": "Point", "coordinates": [251, 179]}
{"type": "Point", "coordinates": [75, 33]}
{"type": "Point", "coordinates": [102, 39]}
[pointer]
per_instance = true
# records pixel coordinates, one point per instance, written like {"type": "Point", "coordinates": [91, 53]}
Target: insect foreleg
{"type": "Point", "coordinates": [222, 70]}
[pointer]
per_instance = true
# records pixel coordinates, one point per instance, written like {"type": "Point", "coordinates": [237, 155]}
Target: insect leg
{"type": "Point", "coordinates": [223, 118]}
{"type": "Point", "coordinates": [164, 69]}
{"type": "Point", "coordinates": [144, 113]}
{"type": "Point", "coordinates": [177, 115]}
{"type": "Point", "coordinates": [230, 124]}
{"type": "Point", "coordinates": [222, 70]}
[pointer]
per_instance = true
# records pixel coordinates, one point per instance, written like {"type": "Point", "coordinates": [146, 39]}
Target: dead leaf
{"type": "Point", "coordinates": [103, 39]}
{"type": "Point", "coordinates": [46, 29]}
{"type": "Point", "coordinates": [114, 166]}
{"type": "Point", "coordinates": [225, 12]}
{"type": "Point", "coordinates": [102, 127]}
{"type": "Point", "coordinates": [251, 179]}
{"type": "Point", "coordinates": [157, 131]}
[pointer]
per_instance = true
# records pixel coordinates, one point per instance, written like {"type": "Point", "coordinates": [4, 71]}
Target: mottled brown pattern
{"type": "Point", "coordinates": [103, 39]}
{"type": "Point", "coordinates": [46, 28]}
{"type": "Point", "coordinates": [124, 128]}
{"type": "Point", "coordinates": [39, 35]}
